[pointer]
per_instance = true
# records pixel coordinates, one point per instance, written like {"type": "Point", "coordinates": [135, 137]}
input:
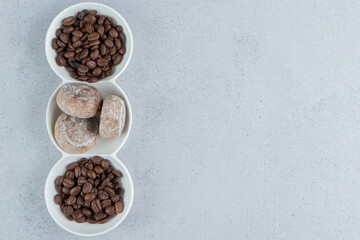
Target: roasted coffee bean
{"type": "Point", "coordinates": [60, 51]}
{"type": "Point", "coordinates": [84, 53]}
{"type": "Point", "coordinates": [59, 180]}
{"type": "Point", "coordinates": [69, 183]}
{"type": "Point", "coordinates": [78, 50]}
{"type": "Point", "coordinates": [58, 32]}
{"type": "Point", "coordinates": [85, 60]}
{"type": "Point", "coordinates": [89, 197]}
{"type": "Point", "coordinates": [54, 44]}
{"type": "Point", "coordinates": [87, 188]}
{"type": "Point", "coordinates": [122, 50]}
{"type": "Point", "coordinates": [101, 62]}
{"type": "Point", "coordinates": [76, 205]}
{"type": "Point", "coordinates": [109, 72]}
{"type": "Point", "coordinates": [117, 59]}
{"type": "Point", "coordinates": [58, 199]}
{"type": "Point", "coordinates": [93, 80]}
{"type": "Point", "coordinates": [103, 49]}
{"type": "Point", "coordinates": [80, 200]}
{"type": "Point", "coordinates": [93, 36]}
{"type": "Point", "coordinates": [58, 189]}
{"type": "Point", "coordinates": [69, 21]}
{"type": "Point", "coordinates": [64, 38]}
{"type": "Point", "coordinates": [112, 50]}
{"type": "Point", "coordinates": [110, 191]}
{"type": "Point", "coordinates": [74, 64]}
{"type": "Point", "coordinates": [96, 71]}
{"type": "Point", "coordinates": [91, 173]}
{"type": "Point", "coordinates": [90, 19]}
{"type": "Point", "coordinates": [89, 28]}
{"type": "Point", "coordinates": [81, 219]}
{"type": "Point", "coordinates": [77, 214]}
{"type": "Point", "coordinates": [87, 212]}
{"type": "Point", "coordinates": [100, 215]}
{"type": "Point", "coordinates": [69, 54]}
{"type": "Point", "coordinates": [74, 75]}
{"type": "Point", "coordinates": [109, 43]}
{"type": "Point", "coordinates": [101, 20]}
{"type": "Point", "coordinates": [105, 164]}
{"type": "Point", "coordinates": [115, 198]}
{"type": "Point", "coordinates": [91, 220]}
{"type": "Point", "coordinates": [123, 37]}
{"type": "Point", "coordinates": [78, 44]}
{"type": "Point", "coordinates": [60, 61]}
{"type": "Point", "coordinates": [105, 68]}
{"type": "Point", "coordinates": [107, 27]}
{"type": "Point", "coordinates": [68, 210]}
{"type": "Point", "coordinates": [108, 58]}
{"type": "Point", "coordinates": [102, 195]}
{"type": "Point", "coordinates": [77, 172]}
{"type": "Point", "coordinates": [78, 34]}
{"type": "Point", "coordinates": [82, 161]}
{"type": "Point", "coordinates": [89, 166]}
{"type": "Point", "coordinates": [96, 206]}
{"type": "Point", "coordinates": [117, 173]}
{"type": "Point", "coordinates": [91, 64]}
{"type": "Point", "coordinates": [97, 182]}
{"type": "Point", "coordinates": [113, 33]}
{"type": "Point", "coordinates": [119, 191]}
{"type": "Point", "coordinates": [75, 190]}
{"type": "Point", "coordinates": [71, 200]}
{"type": "Point", "coordinates": [83, 69]}
{"type": "Point", "coordinates": [95, 42]}
{"type": "Point", "coordinates": [94, 54]}
{"type": "Point", "coordinates": [68, 30]}
{"type": "Point", "coordinates": [95, 191]}
{"type": "Point", "coordinates": [62, 206]}
{"type": "Point", "coordinates": [98, 169]}
{"type": "Point", "coordinates": [92, 12]}
{"type": "Point", "coordinates": [119, 28]}
{"type": "Point", "coordinates": [84, 171]}
{"type": "Point", "coordinates": [97, 160]}
{"type": "Point", "coordinates": [87, 204]}
{"type": "Point", "coordinates": [84, 37]}
{"type": "Point", "coordinates": [72, 166]}
{"type": "Point", "coordinates": [117, 43]}
{"type": "Point", "coordinates": [119, 207]}
{"type": "Point", "coordinates": [110, 210]}
{"type": "Point", "coordinates": [110, 184]}
{"type": "Point", "coordinates": [69, 174]}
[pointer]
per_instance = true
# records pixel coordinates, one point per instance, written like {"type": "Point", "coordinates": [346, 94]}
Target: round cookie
{"type": "Point", "coordinates": [76, 135]}
{"type": "Point", "coordinates": [112, 117]}
{"type": "Point", "coordinates": [79, 100]}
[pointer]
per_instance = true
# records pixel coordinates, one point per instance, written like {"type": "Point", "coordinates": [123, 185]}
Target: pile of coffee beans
{"type": "Point", "coordinates": [89, 45]}
{"type": "Point", "coordinates": [90, 191]}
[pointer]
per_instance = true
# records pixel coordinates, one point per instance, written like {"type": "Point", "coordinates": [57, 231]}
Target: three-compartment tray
{"type": "Point", "coordinates": [104, 148]}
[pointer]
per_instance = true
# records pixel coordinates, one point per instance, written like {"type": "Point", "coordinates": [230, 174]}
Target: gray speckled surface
{"type": "Point", "coordinates": [245, 120]}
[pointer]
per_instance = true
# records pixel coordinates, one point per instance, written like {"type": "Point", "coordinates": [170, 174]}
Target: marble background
{"type": "Point", "coordinates": [245, 119]}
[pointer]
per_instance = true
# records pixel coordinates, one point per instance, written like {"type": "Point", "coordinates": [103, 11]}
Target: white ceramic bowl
{"type": "Point", "coordinates": [71, 11]}
{"type": "Point", "coordinates": [86, 229]}
{"type": "Point", "coordinates": [103, 147]}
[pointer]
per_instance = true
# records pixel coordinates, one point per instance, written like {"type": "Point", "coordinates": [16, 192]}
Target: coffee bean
{"type": "Point", "coordinates": [103, 49]}
{"type": "Point", "coordinates": [68, 210]}
{"type": "Point", "coordinates": [102, 221]}
{"type": "Point", "coordinates": [58, 199]}
{"type": "Point", "coordinates": [76, 205]}
{"type": "Point", "coordinates": [68, 30]}
{"type": "Point", "coordinates": [89, 166]}
{"type": "Point", "coordinates": [91, 174]}
{"type": "Point", "coordinates": [117, 43]}
{"type": "Point", "coordinates": [94, 54]}
{"type": "Point", "coordinates": [107, 26]}
{"type": "Point", "coordinates": [112, 50]}
{"type": "Point", "coordinates": [91, 64]}
{"type": "Point", "coordinates": [100, 215]}
{"type": "Point", "coordinates": [101, 62]}
{"type": "Point", "coordinates": [110, 210]}
{"type": "Point", "coordinates": [77, 214]}
{"type": "Point", "coordinates": [89, 197]}
{"type": "Point", "coordinates": [102, 195]}
{"type": "Point", "coordinates": [59, 180]}
{"type": "Point", "coordinates": [95, 42]}
{"type": "Point", "coordinates": [110, 191]}
{"type": "Point", "coordinates": [96, 71]}
{"type": "Point", "coordinates": [109, 72]}
{"type": "Point", "coordinates": [74, 75]}
{"type": "Point", "coordinates": [82, 161]}
{"type": "Point", "coordinates": [87, 188]}
{"type": "Point", "coordinates": [75, 190]}
{"type": "Point", "coordinates": [74, 64]}
{"type": "Point", "coordinates": [110, 184]}
{"type": "Point", "coordinates": [70, 174]}
{"type": "Point", "coordinates": [119, 28]}
{"type": "Point", "coordinates": [93, 80]}
{"type": "Point", "coordinates": [91, 220]}
{"type": "Point", "coordinates": [89, 28]}
{"type": "Point", "coordinates": [87, 212]}
{"type": "Point", "coordinates": [115, 198]}
{"type": "Point", "coordinates": [109, 43]}
{"type": "Point", "coordinates": [90, 19]}
{"type": "Point", "coordinates": [92, 12]}
{"type": "Point", "coordinates": [85, 60]}
{"type": "Point", "coordinates": [54, 44]}
{"type": "Point", "coordinates": [83, 69]}
{"type": "Point", "coordinates": [97, 160]}
{"type": "Point", "coordinates": [117, 59]}
{"type": "Point", "coordinates": [80, 200]}
{"type": "Point", "coordinates": [123, 37]}
{"type": "Point", "coordinates": [77, 44]}
{"type": "Point", "coordinates": [87, 204]}
{"type": "Point", "coordinates": [98, 169]}
{"type": "Point", "coordinates": [84, 53]}
{"type": "Point", "coordinates": [69, 21]}
{"type": "Point", "coordinates": [113, 33]}
{"type": "Point", "coordinates": [69, 183]}
{"type": "Point", "coordinates": [122, 50]}
{"type": "Point", "coordinates": [69, 54]}
{"type": "Point", "coordinates": [81, 219]}
{"type": "Point", "coordinates": [77, 172]}
{"type": "Point", "coordinates": [58, 189]}
{"type": "Point", "coordinates": [93, 36]}
{"type": "Point", "coordinates": [58, 32]}
{"type": "Point", "coordinates": [72, 166]}
{"type": "Point", "coordinates": [71, 200]}
{"type": "Point", "coordinates": [96, 206]}
{"type": "Point", "coordinates": [119, 207]}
